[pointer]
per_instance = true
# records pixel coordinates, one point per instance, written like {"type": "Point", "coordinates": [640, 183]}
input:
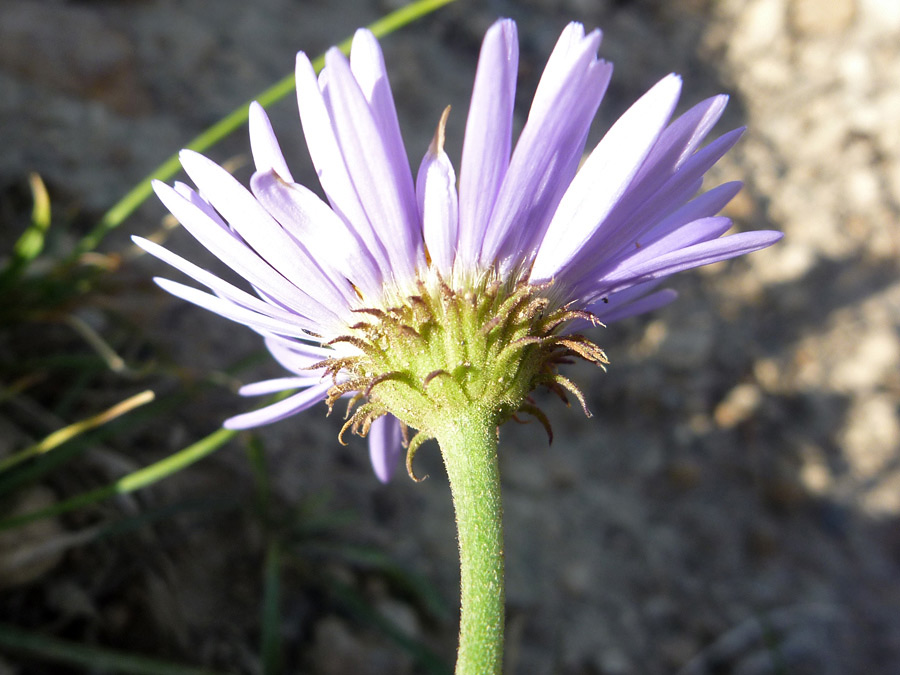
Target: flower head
{"type": "Point", "coordinates": [412, 297]}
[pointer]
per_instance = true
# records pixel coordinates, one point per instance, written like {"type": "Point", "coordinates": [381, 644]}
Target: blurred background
{"type": "Point", "coordinates": [732, 507]}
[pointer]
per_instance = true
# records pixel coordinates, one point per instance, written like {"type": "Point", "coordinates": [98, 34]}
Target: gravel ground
{"type": "Point", "coordinates": [732, 506]}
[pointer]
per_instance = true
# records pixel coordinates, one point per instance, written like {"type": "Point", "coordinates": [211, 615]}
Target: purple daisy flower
{"type": "Point", "coordinates": [585, 244]}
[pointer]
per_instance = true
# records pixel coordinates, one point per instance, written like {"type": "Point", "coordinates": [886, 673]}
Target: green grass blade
{"type": "Point", "coordinates": [69, 432]}
{"type": "Point", "coordinates": [235, 120]}
{"type": "Point", "coordinates": [31, 243]}
{"type": "Point", "coordinates": [256, 454]}
{"type": "Point", "coordinates": [44, 464]}
{"type": "Point", "coordinates": [93, 659]}
{"type": "Point", "coordinates": [271, 611]}
{"type": "Point", "coordinates": [41, 465]}
{"type": "Point", "coordinates": [133, 481]}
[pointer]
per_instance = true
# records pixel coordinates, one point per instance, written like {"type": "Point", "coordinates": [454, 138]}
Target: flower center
{"type": "Point", "coordinates": [441, 351]}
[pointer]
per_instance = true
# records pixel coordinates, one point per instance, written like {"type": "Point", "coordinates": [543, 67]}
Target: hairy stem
{"type": "Point", "coordinates": [469, 447]}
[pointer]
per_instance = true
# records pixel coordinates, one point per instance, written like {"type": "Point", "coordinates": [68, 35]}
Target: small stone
{"type": "Point", "coordinates": [738, 406]}
{"type": "Point", "coordinates": [863, 188]}
{"type": "Point", "coordinates": [577, 577]}
{"type": "Point", "coordinates": [814, 17]}
{"type": "Point", "coordinates": [759, 25]}
{"type": "Point", "coordinates": [882, 16]}
{"type": "Point", "coordinates": [762, 541]}
{"type": "Point", "coordinates": [678, 650]}
{"type": "Point", "coordinates": [816, 477]}
{"type": "Point", "coordinates": [684, 474]}
{"type": "Point", "coordinates": [872, 436]}
{"type": "Point", "coordinates": [768, 373]}
{"type": "Point", "coordinates": [873, 358]}
{"type": "Point", "coordinates": [400, 615]}
{"type": "Point", "coordinates": [614, 662]}
{"type": "Point", "coordinates": [884, 498]}
{"type": "Point", "coordinates": [784, 493]}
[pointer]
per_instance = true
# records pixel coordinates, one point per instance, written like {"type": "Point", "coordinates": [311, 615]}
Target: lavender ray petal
{"type": "Point", "coordinates": [690, 171]}
{"type": "Point", "coordinates": [566, 51]}
{"type": "Point", "coordinates": [694, 232]}
{"type": "Point", "coordinates": [647, 303]}
{"type": "Point", "coordinates": [438, 209]}
{"type": "Point", "coordinates": [620, 235]}
{"type": "Point", "coordinates": [521, 243]}
{"type": "Point", "coordinates": [222, 288]}
{"type": "Point", "coordinates": [594, 262]}
{"type": "Point", "coordinates": [280, 410]}
{"type": "Point", "coordinates": [488, 138]}
{"type": "Point", "coordinates": [188, 193]}
{"type": "Point", "coordinates": [385, 449]}
{"type": "Point", "coordinates": [264, 387]}
{"type": "Point", "coordinates": [665, 180]}
{"type": "Point", "coordinates": [601, 306]}
{"type": "Point", "coordinates": [261, 232]}
{"type": "Point", "coordinates": [679, 141]}
{"type": "Point", "coordinates": [222, 243]}
{"type": "Point", "coordinates": [267, 153]}
{"type": "Point", "coordinates": [388, 198]}
{"type": "Point", "coordinates": [309, 220]}
{"type": "Point", "coordinates": [671, 195]}
{"type": "Point", "coordinates": [704, 253]}
{"type": "Point", "coordinates": [367, 66]}
{"type": "Point", "coordinates": [230, 310]}
{"type": "Point", "coordinates": [329, 162]}
{"type": "Point", "coordinates": [296, 356]}
{"type": "Point", "coordinates": [546, 157]}
{"type": "Point", "coordinates": [604, 177]}
{"type": "Point", "coordinates": [703, 206]}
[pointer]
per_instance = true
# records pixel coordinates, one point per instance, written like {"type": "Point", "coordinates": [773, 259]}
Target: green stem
{"type": "Point", "coordinates": [469, 447]}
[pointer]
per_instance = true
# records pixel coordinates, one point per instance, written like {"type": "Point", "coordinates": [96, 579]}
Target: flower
{"type": "Point", "coordinates": [411, 297]}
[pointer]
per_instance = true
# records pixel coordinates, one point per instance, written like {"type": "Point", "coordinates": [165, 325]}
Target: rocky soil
{"type": "Point", "coordinates": [732, 507]}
